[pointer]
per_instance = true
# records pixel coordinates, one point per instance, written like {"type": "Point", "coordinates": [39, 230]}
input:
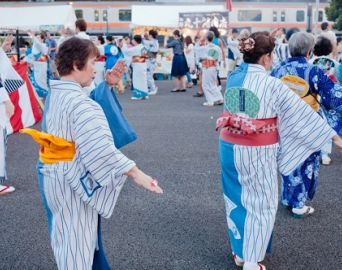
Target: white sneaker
{"type": "Point", "coordinates": [326, 160]}
{"type": "Point", "coordinates": [208, 104]}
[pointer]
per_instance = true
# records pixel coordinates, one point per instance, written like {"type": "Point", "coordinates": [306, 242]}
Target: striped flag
{"type": "Point", "coordinates": [229, 5]}
{"type": "Point", "coordinates": [14, 80]}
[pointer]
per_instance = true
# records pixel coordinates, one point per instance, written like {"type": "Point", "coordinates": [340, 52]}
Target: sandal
{"type": "Point", "coordinates": [309, 211]}
{"type": "Point", "coordinates": [238, 261]}
{"type": "Point", "coordinates": [6, 190]}
{"type": "Point", "coordinates": [219, 102]}
{"type": "Point", "coordinates": [175, 90]}
{"type": "Point", "coordinates": [262, 267]}
{"type": "Point", "coordinates": [198, 95]}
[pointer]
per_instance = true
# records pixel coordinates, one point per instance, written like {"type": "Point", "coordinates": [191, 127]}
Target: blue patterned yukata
{"type": "Point", "coordinates": [300, 185]}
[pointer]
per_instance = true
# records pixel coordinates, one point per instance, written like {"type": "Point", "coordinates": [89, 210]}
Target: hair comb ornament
{"type": "Point", "coordinates": [246, 44]}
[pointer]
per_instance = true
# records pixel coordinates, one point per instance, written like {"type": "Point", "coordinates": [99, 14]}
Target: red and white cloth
{"type": "Point", "coordinates": [15, 84]}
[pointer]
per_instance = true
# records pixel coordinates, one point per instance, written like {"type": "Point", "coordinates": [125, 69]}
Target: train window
{"type": "Point", "coordinates": [249, 15]}
{"type": "Point", "coordinates": [96, 15]}
{"type": "Point", "coordinates": [320, 16]}
{"type": "Point", "coordinates": [282, 16]}
{"type": "Point", "coordinates": [79, 13]}
{"type": "Point", "coordinates": [275, 15]}
{"type": "Point", "coordinates": [104, 15]}
{"type": "Point", "coordinates": [300, 16]}
{"type": "Point", "coordinates": [125, 15]}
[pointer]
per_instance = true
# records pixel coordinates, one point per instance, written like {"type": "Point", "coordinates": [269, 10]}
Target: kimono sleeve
{"type": "Point", "coordinates": [331, 100]}
{"type": "Point", "coordinates": [95, 144]}
{"type": "Point", "coordinates": [302, 131]}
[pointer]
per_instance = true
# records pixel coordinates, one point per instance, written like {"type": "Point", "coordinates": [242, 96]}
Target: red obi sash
{"type": "Point", "coordinates": [207, 63]}
{"type": "Point", "coordinates": [247, 131]}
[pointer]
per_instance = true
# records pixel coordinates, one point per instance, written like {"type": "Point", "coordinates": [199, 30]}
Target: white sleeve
{"type": "Point", "coordinates": [131, 51]}
{"type": "Point", "coordinates": [302, 131]}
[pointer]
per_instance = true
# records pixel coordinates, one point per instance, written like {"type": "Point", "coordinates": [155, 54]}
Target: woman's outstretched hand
{"type": "Point", "coordinates": [338, 142]}
{"type": "Point", "coordinates": [114, 75]}
{"type": "Point", "coordinates": [144, 180]}
{"type": "Point", "coordinates": [6, 45]}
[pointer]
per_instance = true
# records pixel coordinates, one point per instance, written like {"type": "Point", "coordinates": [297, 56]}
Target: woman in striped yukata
{"type": "Point", "coordinates": [6, 111]}
{"type": "Point", "coordinates": [80, 171]}
{"type": "Point", "coordinates": [261, 117]}
{"type": "Point", "coordinates": [139, 79]}
{"type": "Point", "coordinates": [325, 98]}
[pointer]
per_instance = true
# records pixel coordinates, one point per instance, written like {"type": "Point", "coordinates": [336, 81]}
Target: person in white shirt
{"type": "Point", "coordinates": [81, 28]}
{"type": "Point", "coordinates": [234, 54]}
{"type": "Point", "coordinates": [329, 34]}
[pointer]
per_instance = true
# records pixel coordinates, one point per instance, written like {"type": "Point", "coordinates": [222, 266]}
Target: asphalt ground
{"type": "Point", "coordinates": [185, 228]}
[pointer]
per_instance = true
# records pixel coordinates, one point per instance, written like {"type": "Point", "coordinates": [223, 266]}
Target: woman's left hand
{"type": "Point", "coordinates": [114, 75]}
{"type": "Point", "coordinates": [6, 45]}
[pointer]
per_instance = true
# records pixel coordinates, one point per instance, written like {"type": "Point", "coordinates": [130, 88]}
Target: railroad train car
{"type": "Point", "coordinates": [116, 17]}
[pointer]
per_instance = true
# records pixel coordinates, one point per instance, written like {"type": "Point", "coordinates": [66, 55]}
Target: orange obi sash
{"type": "Point", "coordinates": [247, 131]}
{"type": "Point", "coordinates": [52, 149]}
{"type": "Point", "coordinates": [207, 63]}
{"type": "Point", "coordinates": [312, 101]}
{"type": "Point", "coordinates": [138, 59]}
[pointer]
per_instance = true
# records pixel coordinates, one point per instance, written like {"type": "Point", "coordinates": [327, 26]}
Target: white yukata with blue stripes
{"type": "Point", "coordinates": [250, 173]}
{"type": "Point", "coordinates": [75, 193]}
{"type": "Point", "coordinates": [3, 136]}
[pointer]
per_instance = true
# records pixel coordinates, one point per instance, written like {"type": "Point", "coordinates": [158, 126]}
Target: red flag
{"type": "Point", "coordinates": [229, 5]}
{"type": "Point", "coordinates": [15, 81]}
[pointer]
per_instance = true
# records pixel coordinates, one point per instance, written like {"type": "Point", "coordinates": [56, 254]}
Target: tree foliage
{"type": "Point", "coordinates": [334, 13]}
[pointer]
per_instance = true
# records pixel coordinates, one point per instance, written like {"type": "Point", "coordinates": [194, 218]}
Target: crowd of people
{"type": "Point", "coordinates": [282, 111]}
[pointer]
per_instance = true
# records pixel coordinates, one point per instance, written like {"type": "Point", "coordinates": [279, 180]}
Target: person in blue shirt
{"type": "Point", "coordinates": [112, 53]}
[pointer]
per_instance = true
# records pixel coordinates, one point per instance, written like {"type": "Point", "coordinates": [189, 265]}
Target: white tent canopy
{"type": "Point", "coordinates": [166, 15]}
{"type": "Point", "coordinates": [37, 18]}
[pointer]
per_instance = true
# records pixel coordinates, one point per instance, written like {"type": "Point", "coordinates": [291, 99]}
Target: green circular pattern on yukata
{"type": "Point", "coordinates": [241, 100]}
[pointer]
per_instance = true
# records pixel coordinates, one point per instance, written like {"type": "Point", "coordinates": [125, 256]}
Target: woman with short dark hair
{"type": "Point", "coordinates": [261, 116]}
{"type": "Point", "coordinates": [80, 171]}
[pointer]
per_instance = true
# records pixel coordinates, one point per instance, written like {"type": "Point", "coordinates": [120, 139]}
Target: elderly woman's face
{"type": "Point", "coordinates": [87, 74]}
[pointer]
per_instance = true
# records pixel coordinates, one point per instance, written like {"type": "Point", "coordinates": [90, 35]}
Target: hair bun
{"type": "Point", "coordinates": [246, 44]}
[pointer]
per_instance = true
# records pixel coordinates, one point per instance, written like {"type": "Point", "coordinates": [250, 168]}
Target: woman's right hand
{"type": "Point", "coordinates": [338, 142]}
{"type": "Point", "coordinates": [9, 107]}
{"type": "Point", "coordinates": [144, 180]}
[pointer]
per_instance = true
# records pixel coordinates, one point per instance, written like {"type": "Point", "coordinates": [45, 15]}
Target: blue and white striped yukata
{"type": "Point", "coordinates": [3, 136]}
{"type": "Point", "coordinates": [76, 193]}
{"type": "Point", "coordinates": [249, 173]}
{"type": "Point", "coordinates": [281, 53]}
